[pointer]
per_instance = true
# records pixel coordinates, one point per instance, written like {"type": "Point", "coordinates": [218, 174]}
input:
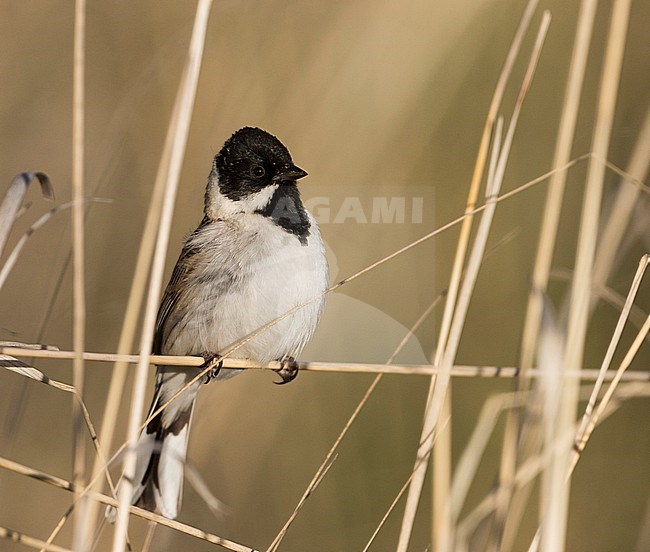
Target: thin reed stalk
{"type": "Point", "coordinates": [626, 200]}
{"type": "Point", "coordinates": [32, 542]}
{"type": "Point", "coordinates": [109, 501]}
{"type": "Point", "coordinates": [616, 336]}
{"type": "Point", "coordinates": [417, 482]}
{"type": "Point", "coordinates": [458, 370]}
{"type": "Point", "coordinates": [327, 462]}
{"type": "Point", "coordinates": [190, 78]}
{"type": "Point", "coordinates": [503, 536]}
{"type": "Point", "coordinates": [134, 305]}
{"type": "Point", "coordinates": [536, 463]}
{"type": "Point", "coordinates": [555, 509]}
{"type": "Point", "coordinates": [78, 266]}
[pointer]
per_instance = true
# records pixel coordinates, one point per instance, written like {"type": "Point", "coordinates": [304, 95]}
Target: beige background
{"type": "Point", "coordinates": [373, 99]}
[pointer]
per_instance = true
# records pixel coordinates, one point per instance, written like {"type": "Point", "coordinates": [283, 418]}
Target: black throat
{"type": "Point", "coordinates": [287, 211]}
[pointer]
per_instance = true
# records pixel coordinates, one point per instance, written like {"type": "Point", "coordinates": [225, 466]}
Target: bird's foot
{"type": "Point", "coordinates": [214, 362]}
{"type": "Point", "coordinates": [288, 370]}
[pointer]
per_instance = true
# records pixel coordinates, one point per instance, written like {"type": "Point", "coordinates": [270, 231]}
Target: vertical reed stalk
{"type": "Point", "coordinates": [415, 487]}
{"type": "Point", "coordinates": [547, 238]}
{"type": "Point", "coordinates": [79, 309]}
{"type": "Point", "coordinates": [556, 501]}
{"type": "Point", "coordinates": [190, 78]}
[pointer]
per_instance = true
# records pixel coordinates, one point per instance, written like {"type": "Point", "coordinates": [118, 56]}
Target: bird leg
{"type": "Point", "coordinates": [212, 360]}
{"type": "Point", "coordinates": [287, 371]}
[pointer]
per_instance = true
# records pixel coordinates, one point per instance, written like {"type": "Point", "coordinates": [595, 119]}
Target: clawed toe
{"type": "Point", "coordinates": [212, 360]}
{"type": "Point", "coordinates": [288, 370]}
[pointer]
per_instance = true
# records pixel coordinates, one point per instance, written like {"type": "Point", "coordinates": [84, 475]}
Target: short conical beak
{"type": "Point", "coordinates": [288, 173]}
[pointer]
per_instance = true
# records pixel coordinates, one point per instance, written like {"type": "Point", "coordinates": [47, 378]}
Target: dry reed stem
{"type": "Point", "coordinates": [616, 336]}
{"type": "Point", "coordinates": [546, 19]}
{"type": "Point", "coordinates": [190, 81]}
{"type": "Point", "coordinates": [79, 290]}
{"type": "Point", "coordinates": [583, 437]}
{"type": "Point", "coordinates": [626, 200]}
{"type": "Point", "coordinates": [134, 305]}
{"type": "Point", "coordinates": [445, 537]}
{"type": "Point", "coordinates": [401, 492]}
{"type": "Point", "coordinates": [580, 441]}
{"type": "Point", "coordinates": [146, 545]}
{"type": "Point", "coordinates": [22, 538]}
{"type": "Point", "coordinates": [609, 296]}
{"type": "Point", "coordinates": [555, 509]}
{"type": "Point", "coordinates": [458, 370]}
{"type": "Point", "coordinates": [10, 208]}
{"type": "Point", "coordinates": [415, 487]}
{"type": "Point", "coordinates": [555, 192]}
{"type": "Point", "coordinates": [534, 465]}
{"type": "Point", "coordinates": [543, 259]}
{"type": "Point", "coordinates": [12, 364]}
{"type": "Point", "coordinates": [473, 451]}
{"type": "Point", "coordinates": [15, 252]}
{"type": "Point", "coordinates": [320, 472]}
{"type": "Point", "coordinates": [107, 500]}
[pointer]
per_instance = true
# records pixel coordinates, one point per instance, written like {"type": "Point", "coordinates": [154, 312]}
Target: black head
{"type": "Point", "coordinates": [252, 159]}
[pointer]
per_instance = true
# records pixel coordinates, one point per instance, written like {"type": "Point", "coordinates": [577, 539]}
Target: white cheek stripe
{"type": "Point", "coordinates": [221, 206]}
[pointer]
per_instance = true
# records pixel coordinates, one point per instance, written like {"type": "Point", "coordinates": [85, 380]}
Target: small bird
{"type": "Point", "coordinates": [257, 254]}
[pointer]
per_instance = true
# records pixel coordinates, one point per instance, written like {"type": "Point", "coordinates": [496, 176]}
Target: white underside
{"type": "Point", "coordinates": [276, 273]}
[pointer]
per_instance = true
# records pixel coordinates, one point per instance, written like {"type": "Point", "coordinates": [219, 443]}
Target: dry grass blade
{"type": "Point", "coordinates": [10, 206]}
{"type": "Point", "coordinates": [599, 414]}
{"type": "Point", "coordinates": [21, 538]}
{"type": "Point", "coordinates": [473, 452]}
{"type": "Point", "coordinates": [14, 365]}
{"type": "Point", "coordinates": [556, 515]}
{"type": "Point", "coordinates": [534, 465]}
{"type": "Point", "coordinates": [146, 545]}
{"type": "Point", "coordinates": [595, 417]}
{"type": "Point", "coordinates": [555, 193]}
{"type": "Point", "coordinates": [618, 331]}
{"type": "Point", "coordinates": [145, 514]}
{"type": "Point", "coordinates": [320, 474]}
{"type": "Point", "coordinates": [32, 346]}
{"type": "Point", "coordinates": [195, 479]}
{"type": "Point", "coordinates": [399, 495]}
{"type": "Point", "coordinates": [19, 367]}
{"type": "Point", "coordinates": [186, 104]}
{"type": "Point", "coordinates": [15, 252]}
{"type": "Point", "coordinates": [608, 295]}
{"type": "Point", "coordinates": [327, 461]}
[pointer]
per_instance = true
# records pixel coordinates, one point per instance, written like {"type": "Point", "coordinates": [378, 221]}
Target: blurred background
{"type": "Point", "coordinates": [383, 103]}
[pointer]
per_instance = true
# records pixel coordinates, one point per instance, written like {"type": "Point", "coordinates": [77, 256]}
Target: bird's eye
{"type": "Point", "coordinates": [258, 171]}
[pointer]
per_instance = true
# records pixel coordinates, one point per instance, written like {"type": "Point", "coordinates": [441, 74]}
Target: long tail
{"type": "Point", "coordinates": [162, 446]}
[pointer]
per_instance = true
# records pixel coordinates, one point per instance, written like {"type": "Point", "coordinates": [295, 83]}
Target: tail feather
{"type": "Point", "coordinates": [158, 482]}
{"type": "Point", "coordinates": [162, 447]}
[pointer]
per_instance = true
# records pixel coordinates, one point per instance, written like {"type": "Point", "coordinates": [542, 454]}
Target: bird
{"type": "Point", "coordinates": [256, 255]}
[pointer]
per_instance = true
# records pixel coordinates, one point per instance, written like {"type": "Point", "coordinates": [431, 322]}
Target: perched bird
{"type": "Point", "coordinates": [257, 254]}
